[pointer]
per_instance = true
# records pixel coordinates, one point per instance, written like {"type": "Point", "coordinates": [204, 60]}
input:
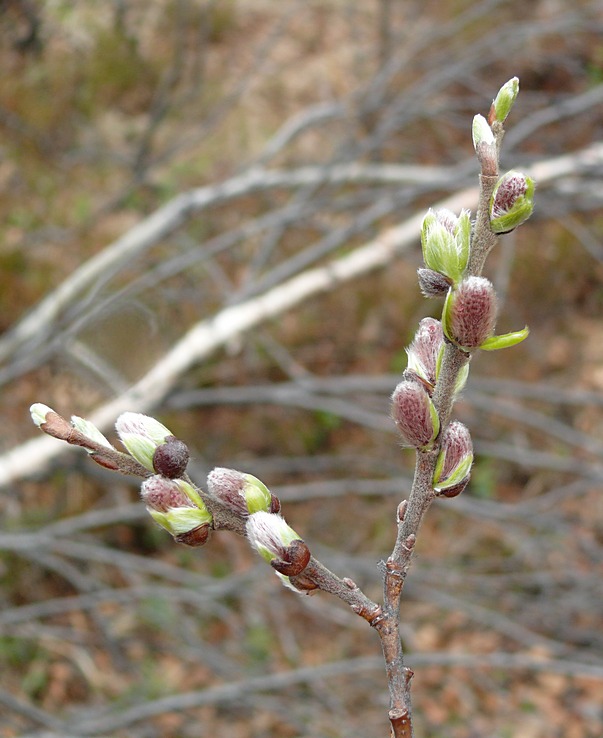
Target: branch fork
{"type": "Point", "coordinates": [454, 253]}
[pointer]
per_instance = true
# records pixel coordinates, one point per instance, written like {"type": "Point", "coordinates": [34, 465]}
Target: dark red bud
{"type": "Point", "coordinates": [275, 504]}
{"type": "Point", "coordinates": [171, 458]}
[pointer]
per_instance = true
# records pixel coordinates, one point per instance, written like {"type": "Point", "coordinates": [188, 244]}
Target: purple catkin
{"type": "Point", "coordinates": [511, 186]}
{"type": "Point", "coordinates": [227, 485]}
{"type": "Point", "coordinates": [472, 312]}
{"type": "Point", "coordinates": [456, 445]}
{"type": "Point", "coordinates": [426, 346]}
{"type": "Point", "coordinates": [411, 413]}
{"type": "Point", "coordinates": [162, 494]}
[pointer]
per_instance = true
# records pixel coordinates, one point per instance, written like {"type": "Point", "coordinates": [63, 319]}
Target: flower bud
{"type": "Point", "coordinates": [141, 435]}
{"type": "Point", "coordinates": [244, 494]}
{"type": "Point", "coordinates": [176, 506]}
{"type": "Point", "coordinates": [171, 458]}
{"type": "Point", "coordinates": [445, 240]}
{"type": "Point", "coordinates": [512, 202]}
{"type": "Point", "coordinates": [453, 466]}
{"type": "Point", "coordinates": [469, 315]}
{"type": "Point", "coordinates": [414, 414]}
{"type": "Point", "coordinates": [433, 284]}
{"type": "Point", "coordinates": [423, 352]}
{"type": "Point", "coordinates": [504, 101]}
{"type": "Point", "coordinates": [277, 543]}
{"type": "Point", "coordinates": [270, 535]}
{"type": "Point", "coordinates": [485, 145]}
{"type": "Point", "coordinates": [161, 494]}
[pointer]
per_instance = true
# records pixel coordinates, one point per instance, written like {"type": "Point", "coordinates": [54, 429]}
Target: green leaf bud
{"type": "Point", "coordinates": [445, 240]}
{"type": "Point", "coordinates": [504, 100]}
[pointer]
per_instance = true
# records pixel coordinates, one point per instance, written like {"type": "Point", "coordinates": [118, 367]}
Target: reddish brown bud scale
{"type": "Point", "coordinates": [455, 490]}
{"type": "Point", "coordinates": [194, 538]}
{"type": "Point", "coordinates": [295, 560]}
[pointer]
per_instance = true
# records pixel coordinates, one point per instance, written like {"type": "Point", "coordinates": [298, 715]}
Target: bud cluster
{"type": "Point", "coordinates": [171, 500]}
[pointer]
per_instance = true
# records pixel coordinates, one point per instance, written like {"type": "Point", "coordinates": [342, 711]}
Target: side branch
{"type": "Point", "coordinates": [35, 456]}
